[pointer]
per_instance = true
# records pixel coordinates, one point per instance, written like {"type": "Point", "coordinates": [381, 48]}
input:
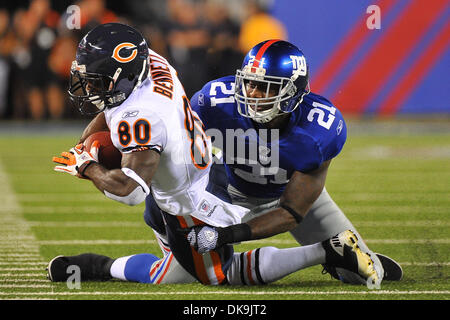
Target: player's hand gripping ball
{"type": "Point", "coordinates": [77, 159]}
{"type": "Point", "coordinates": [108, 155]}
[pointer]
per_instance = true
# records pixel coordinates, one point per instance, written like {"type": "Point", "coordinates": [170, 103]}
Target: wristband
{"type": "Point", "coordinates": [84, 166]}
{"type": "Point", "coordinates": [235, 233]}
{"type": "Point", "coordinates": [296, 216]}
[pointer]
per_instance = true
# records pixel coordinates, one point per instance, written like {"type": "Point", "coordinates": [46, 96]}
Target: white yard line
{"type": "Point", "coordinates": [22, 266]}
{"type": "Point", "coordinates": [17, 241]}
{"type": "Point", "coordinates": [219, 292]}
{"type": "Point", "coordinates": [42, 280]}
{"type": "Point", "coordinates": [26, 286]}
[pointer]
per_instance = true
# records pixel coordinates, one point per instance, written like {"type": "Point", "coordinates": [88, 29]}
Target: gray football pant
{"type": "Point", "coordinates": [323, 221]}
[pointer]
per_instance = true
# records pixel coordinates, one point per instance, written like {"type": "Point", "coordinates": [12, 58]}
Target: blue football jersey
{"type": "Point", "coordinates": [259, 162]}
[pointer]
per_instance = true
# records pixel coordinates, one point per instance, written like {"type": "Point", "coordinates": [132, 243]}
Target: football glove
{"type": "Point", "coordinates": [207, 238]}
{"type": "Point", "coordinates": [77, 159]}
{"type": "Point", "coordinates": [203, 238]}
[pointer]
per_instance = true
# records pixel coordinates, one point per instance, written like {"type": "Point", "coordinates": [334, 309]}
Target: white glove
{"type": "Point", "coordinates": [203, 238]}
{"type": "Point", "coordinates": [77, 159]}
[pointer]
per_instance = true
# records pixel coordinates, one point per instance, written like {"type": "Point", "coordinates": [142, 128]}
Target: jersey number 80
{"type": "Point", "coordinates": [140, 132]}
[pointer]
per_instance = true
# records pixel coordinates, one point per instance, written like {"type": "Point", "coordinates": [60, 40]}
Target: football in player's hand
{"type": "Point", "coordinates": [108, 155]}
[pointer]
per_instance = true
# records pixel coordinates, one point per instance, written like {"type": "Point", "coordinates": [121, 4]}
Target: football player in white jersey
{"type": "Point", "coordinates": [166, 152]}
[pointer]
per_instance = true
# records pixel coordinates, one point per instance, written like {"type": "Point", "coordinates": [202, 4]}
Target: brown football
{"type": "Point", "coordinates": [108, 155]}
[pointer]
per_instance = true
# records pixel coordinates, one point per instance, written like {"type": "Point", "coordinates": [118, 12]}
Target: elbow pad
{"type": "Point", "coordinates": [137, 196]}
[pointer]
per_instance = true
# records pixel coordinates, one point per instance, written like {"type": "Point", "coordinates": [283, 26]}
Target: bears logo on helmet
{"type": "Point", "coordinates": [111, 61]}
{"type": "Point", "coordinates": [126, 45]}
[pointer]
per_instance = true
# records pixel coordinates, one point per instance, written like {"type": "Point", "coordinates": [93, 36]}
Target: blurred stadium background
{"type": "Point", "coordinates": [391, 83]}
{"type": "Point", "coordinates": [397, 69]}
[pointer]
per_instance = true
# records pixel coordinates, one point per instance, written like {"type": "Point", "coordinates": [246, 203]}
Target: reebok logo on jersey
{"type": "Point", "coordinates": [201, 99]}
{"type": "Point", "coordinates": [339, 127]}
{"type": "Point", "coordinates": [130, 114]}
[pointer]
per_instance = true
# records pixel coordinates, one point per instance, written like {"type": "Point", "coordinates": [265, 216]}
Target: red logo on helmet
{"type": "Point", "coordinates": [127, 45]}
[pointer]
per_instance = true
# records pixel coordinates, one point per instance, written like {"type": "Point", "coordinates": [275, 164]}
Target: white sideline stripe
{"type": "Point", "coordinates": [266, 241]}
{"type": "Point", "coordinates": [120, 293]}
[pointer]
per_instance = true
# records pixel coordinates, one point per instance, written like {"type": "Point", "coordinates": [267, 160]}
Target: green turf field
{"type": "Point", "coordinates": [395, 190]}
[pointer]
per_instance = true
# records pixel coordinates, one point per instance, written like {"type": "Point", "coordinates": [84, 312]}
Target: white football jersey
{"type": "Point", "coordinates": [158, 115]}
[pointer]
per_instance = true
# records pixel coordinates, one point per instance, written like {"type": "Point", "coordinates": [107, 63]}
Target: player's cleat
{"type": "Point", "coordinates": [343, 251]}
{"type": "Point", "coordinates": [93, 267]}
{"type": "Point", "coordinates": [392, 270]}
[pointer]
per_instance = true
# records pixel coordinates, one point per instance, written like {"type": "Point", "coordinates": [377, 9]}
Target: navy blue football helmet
{"type": "Point", "coordinates": [111, 61]}
{"type": "Point", "coordinates": [277, 67]}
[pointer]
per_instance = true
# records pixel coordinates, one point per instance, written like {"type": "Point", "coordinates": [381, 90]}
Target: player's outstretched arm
{"type": "Point", "coordinates": [300, 193]}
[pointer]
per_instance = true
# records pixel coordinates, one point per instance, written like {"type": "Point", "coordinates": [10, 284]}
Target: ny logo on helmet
{"type": "Point", "coordinates": [124, 45]}
{"type": "Point", "coordinates": [298, 65]}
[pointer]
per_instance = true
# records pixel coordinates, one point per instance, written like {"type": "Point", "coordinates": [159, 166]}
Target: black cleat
{"type": "Point", "coordinates": [93, 267]}
{"type": "Point", "coordinates": [392, 270]}
{"type": "Point", "coordinates": [343, 251]}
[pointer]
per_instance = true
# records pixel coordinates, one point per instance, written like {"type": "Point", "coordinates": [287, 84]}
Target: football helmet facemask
{"type": "Point", "coordinates": [111, 61]}
{"type": "Point", "coordinates": [280, 72]}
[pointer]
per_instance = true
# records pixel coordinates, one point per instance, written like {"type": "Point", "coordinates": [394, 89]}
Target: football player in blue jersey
{"type": "Point", "coordinates": [277, 140]}
{"type": "Point", "coordinates": [176, 128]}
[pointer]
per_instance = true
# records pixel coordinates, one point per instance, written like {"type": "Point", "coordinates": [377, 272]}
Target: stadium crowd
{"type": "Point", "coordinates": [202, 39]}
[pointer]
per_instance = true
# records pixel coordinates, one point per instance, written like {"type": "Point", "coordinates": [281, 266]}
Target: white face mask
{"type": "Point", "coordinates": [268, 107]}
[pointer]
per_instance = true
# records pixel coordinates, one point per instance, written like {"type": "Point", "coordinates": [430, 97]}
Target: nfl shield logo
{"type": "Point", "coordinates": [205, 206]}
